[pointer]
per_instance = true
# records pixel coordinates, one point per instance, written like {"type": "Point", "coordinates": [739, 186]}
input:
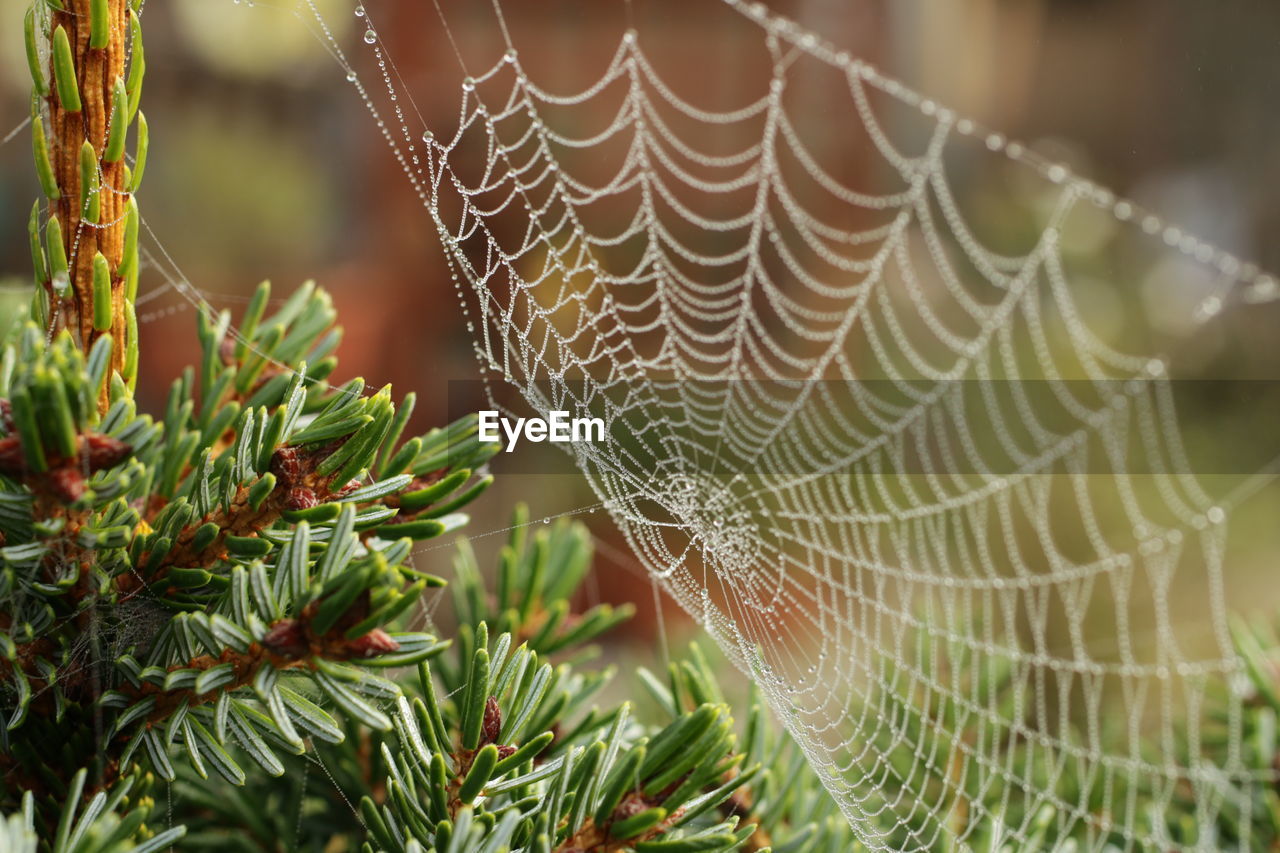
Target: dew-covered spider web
{"type": "Point", "coordinates": [885, 458]}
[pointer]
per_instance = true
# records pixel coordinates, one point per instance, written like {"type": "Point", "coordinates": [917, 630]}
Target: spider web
{"type": "Point", "coordinates": [891, 469]}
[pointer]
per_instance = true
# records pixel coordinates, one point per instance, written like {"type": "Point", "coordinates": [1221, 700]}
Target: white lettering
{"type": "Point", "coordinates": [587, 425]}
{"type": "Point", "coordinates": [512, 432]}
{"type": "Point", "coordinates": [559, 426]}
{"type": "Point", "coordinates": [489, 426]}
{"type": "Point", "coordinates": [556, 427]}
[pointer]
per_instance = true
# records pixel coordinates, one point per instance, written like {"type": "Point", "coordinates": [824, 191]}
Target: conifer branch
{"type": "Point", "coordinates": [90, 277]}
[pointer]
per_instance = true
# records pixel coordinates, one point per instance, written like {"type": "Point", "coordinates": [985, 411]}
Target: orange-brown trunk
{"type": "Point", "coordinates": [96, 72]}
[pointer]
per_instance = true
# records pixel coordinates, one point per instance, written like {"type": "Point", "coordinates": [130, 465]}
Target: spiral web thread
{"type": "Point", "coordinates": [891, 471]}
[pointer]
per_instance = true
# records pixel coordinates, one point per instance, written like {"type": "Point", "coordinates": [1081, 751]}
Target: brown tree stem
{"type": "Point", "coordinates": [96, 73]}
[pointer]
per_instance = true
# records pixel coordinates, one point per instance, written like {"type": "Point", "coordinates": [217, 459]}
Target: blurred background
{"type": "Point", "coordinates": [265, 164]}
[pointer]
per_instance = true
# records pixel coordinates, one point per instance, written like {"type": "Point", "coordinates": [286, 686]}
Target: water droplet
{"type": "Point", "coordinates": [359, 11]}
{"type": "Point", "coordinates": [370, 37]}
{"type": "Point", "coordinates": [351, 76]}
{"type": "Point", "coordinates": [468, 85]}
{"type": "Point", "coordinates": [1210, 307]}
{"type": "Point", "coordinates": [510, 55]}
{"type": "Point", "coordinates": [427, 136]}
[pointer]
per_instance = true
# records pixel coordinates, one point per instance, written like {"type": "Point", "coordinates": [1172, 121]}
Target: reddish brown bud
{"type": "Point", "coordinates": [376, 642]}
{"type": "Point", "coordinates": [300, 497]}
{"type": "Point", "coordinates": [286, 464]}
{"type": "Point", "coordinates": [6, 415]}
{"type": "Point", "coordinates": [505, 751]}
{"type": "Point", "coordinates": [103, 451]}
{"type": "Point", "coordinates": [492, 721]}
{"type": "Point", "coordinates": [12, 460]}
{"type": "Point", "coordinates": [66, 483]}
{"type": "Point", "coordinates": [348, 489]}
{"type": "Point", "coordinates": [227, 350]}
{"type": "Point", "coordinates": [286, 638]}
{"type": "Point", "coordinates": [631, 805]}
